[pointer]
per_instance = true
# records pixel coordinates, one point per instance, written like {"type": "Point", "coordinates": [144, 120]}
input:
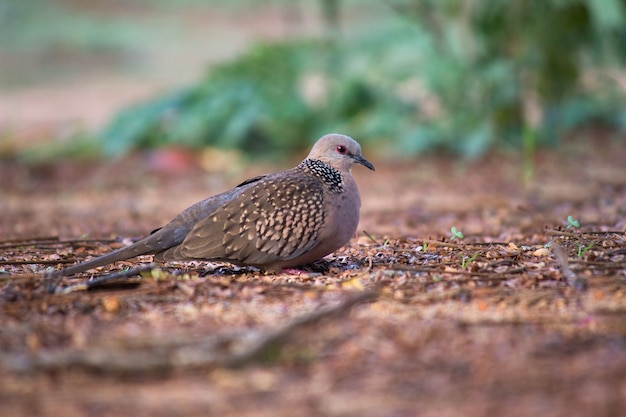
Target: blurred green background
{"type": "Point", "coordinates": [269, 77]}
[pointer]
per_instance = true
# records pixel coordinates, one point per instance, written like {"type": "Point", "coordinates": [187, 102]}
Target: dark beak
{"type": "Point", "coordinates": [360, 160]}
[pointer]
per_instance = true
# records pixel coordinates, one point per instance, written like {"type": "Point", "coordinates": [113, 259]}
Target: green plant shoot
{"type": "Point", "coordinates": [572, 222]}
{"type": "Point", "coordinates": [456, 233]}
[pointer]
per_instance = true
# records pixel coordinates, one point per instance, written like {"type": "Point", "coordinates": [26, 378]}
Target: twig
{"type": "Point", "coordinates": [13, 243]}
{"type": "Point", "coordinates": [272, 337]}
{"type": "Point", "coordinates": [608, 254]}
{"type": "Point", "coordinates": [409, 268]}
{"type": "Point", "coordinates": [177, 354]}
{"type": "Point", "coordinates": [370, 236]}
{"type": "Point", "coordinates": [608, 232]}
{"type": "Point", "coordinates": [479, 275]}
{"type": "Point", "coordinates": [107, 279]}
{"type": "Point", "coordinates": [599, 264]}
{"type": "Point", "coordinates": [20, 278]}
{"type": "Point", "coordinates": [26, 240]}
{"type": "Point", "coordinates": [555, 232]}
{"type": "Point", "coordinates": [444, 244]}
{"type": "Point", "coordinates": [37, 262]}
{"type": "Point", "coordinates": [492, 243]}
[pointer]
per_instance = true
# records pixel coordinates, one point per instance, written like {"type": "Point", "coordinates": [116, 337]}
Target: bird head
{"type": "Point", "coordinates": [339, 151]}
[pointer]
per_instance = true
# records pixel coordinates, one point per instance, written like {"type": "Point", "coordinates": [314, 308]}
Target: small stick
{"type": "Point", "coordinates": [32, 239]}
{"type": "Point", "coordinates": [554, 232]}
{"type": "Point", "coordinates": [87, 285]}
{"type": "Point", "coordinates": [170, 355]}
{"type": "Point", "coordinates": [444, 244]}
{"type": "Point", "coordinates": [370, 236]}
{"type": "Point", "coordinates": [39, 262]}
{"type": "Point", "coordinates": [7, 244]}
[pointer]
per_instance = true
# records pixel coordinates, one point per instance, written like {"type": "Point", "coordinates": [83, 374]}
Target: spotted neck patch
{"type": "Point", "coordinates": [325, 172]}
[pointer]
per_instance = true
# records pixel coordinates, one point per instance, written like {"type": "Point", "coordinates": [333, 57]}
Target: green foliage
{"type": "Point", "coordinates": [452, 75]}
{"type": "Point", "coordinates": [582, 249]}
{"type": "Point", "coordinates": [258, 101]}
{"type": "Point", "coordinates": [572, 222]}
{"type": "Point", "coordinates": [489, 60]}
{"type": "Point", "coordinates": [247, 103]}
{"type": "Point", "coordinates": [468, 260]}
{"type": "Point", "coordinates": [456, 234]}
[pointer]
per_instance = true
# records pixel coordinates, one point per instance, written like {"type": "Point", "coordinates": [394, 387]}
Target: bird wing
{"type": "Point", "coordinates": [276, 217]}
{"type": "Point", "coordinates": [251, 180]}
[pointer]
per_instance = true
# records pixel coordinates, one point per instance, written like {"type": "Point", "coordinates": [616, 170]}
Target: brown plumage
{"type": "Point", "coordinates": [285, 219]}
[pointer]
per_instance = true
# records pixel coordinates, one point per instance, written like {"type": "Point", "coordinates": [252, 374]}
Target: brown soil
{"type": "Point", "coordinates": [404, 321]}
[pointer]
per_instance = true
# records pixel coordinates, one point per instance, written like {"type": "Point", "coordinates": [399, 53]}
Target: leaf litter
{"type": "Point", "coordinates": [409, 316]}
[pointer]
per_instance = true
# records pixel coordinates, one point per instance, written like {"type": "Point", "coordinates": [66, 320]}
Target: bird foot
{"type": "Point", "coordinates": [293, 271]}
{"type": "Point", "coordinates": [299, 272]}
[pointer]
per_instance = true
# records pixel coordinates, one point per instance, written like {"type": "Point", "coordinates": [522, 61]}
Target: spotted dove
{"type": "Point", "coordinates": [281, 220]}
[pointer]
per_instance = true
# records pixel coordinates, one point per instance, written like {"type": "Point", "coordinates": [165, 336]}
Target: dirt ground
{"type": "Point", "coordinates": [404, 321]}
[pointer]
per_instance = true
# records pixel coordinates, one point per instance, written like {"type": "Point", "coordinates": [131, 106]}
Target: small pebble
{"type": "Point", "coordinates": [541, 252]}
{"type": "Point", "coordinates": [111, 304]}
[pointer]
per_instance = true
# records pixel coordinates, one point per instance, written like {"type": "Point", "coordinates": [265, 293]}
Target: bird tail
{"type": "Point", "coordinates": [127, 252]}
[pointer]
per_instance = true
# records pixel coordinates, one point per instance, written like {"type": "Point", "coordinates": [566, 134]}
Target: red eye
{"type": "Point", "coordinates": [341, 149]}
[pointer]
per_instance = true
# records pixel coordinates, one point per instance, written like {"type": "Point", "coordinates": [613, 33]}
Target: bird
{"type": "Point", "coordinates": [273, 222]}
